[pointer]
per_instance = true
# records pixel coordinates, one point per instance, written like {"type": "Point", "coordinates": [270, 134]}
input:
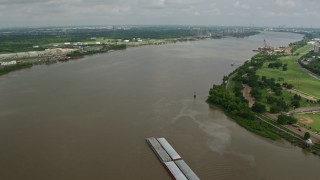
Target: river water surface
{"type": "Point", "coordinates": [88, 119]}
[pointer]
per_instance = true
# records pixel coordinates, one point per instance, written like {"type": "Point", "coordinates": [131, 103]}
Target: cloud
{"type": "Point", "coordinates": [240, 5]}
{"type": "Point", "coordinates": [154, 4]}
{"type": "Point", "coordinates": [205, 12]}
{"type": "Point", "coordinates": [8, 2]}
{"type": "Point", "coordinates": [286, 3]}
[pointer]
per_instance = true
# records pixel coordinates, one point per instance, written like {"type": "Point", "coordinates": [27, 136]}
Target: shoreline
{"type": "Point", "coordinates": [44, 57]}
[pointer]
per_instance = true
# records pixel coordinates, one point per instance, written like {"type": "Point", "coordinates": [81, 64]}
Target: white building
{"type": "Point", "coordinates": [8, 63]}
{"type": "Point", "coordinates": [309, 141]}
{"type": "Point", "coordinates": [311, 42]}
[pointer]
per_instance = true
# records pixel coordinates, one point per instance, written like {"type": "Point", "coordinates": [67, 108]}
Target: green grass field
{"type": "Point", "coordinates": [231, 83]}
{"type": "Point", "coordinates": [315, 125]}
{"type": "Point", "coordinates": [300, 79]}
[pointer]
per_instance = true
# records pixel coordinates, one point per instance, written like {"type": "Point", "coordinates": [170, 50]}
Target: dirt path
{"type": "Point", "coordinates": [307, 109]}
{"type": "Point", "coordinates": [304, 95]}
{"type": "Point", "coordinates": [301, 131]}
{"type": "Point", "coordinates": [246, 94]}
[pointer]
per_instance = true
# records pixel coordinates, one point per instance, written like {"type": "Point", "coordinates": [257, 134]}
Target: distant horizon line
{"type": "Point", "coordinates": [160, 25]}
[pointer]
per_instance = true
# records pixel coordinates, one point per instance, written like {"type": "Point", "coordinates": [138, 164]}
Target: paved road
{"type": "Point", "coordinates": [293, 135]}
{"type": "Point", "coordinates": [307, 109]}
{"type": "Point", "coordinates": [314, 137]}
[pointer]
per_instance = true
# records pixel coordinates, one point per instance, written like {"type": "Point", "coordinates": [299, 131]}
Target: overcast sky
{"type": "Point", "coordinates": [15, 13]}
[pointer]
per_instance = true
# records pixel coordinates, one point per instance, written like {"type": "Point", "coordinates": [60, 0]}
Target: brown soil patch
{"type": "Point", "coordinates": [246, 93]}
{"type": "Point", "coordinates": [306, 120]}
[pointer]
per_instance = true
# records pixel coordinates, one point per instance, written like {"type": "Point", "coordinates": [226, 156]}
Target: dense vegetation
{"type": "Point", "coordinates": [284, 119]}
{"type": "Point", "coordinates": [237, 108]}
{"type": "Point", "coordinates": [295, 46]}
{"type": "Point", "coordinates": [306, 136]}
{"type": "Point", "coordinates": [299, 44]}
{"type": "Point", "coordinates": [235, 105]}
{"type": "Point", "coordinates": [314, 64]}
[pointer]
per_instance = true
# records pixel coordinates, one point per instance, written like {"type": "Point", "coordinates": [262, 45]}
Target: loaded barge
{"type": "Point", "coordinates": [171, 160]}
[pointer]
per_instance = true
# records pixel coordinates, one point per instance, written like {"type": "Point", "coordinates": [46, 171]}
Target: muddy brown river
{"type": "Point", "coordinates": [88, 119]}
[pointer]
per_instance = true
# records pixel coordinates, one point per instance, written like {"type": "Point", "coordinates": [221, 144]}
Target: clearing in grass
{"type": "Point", "coordinates": [311, 120]}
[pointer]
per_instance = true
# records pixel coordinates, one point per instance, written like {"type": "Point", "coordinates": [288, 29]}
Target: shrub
{"type": "Point", "coordinates": [289, 86]}
{"type": "Point", "coordinates": [284, 119]}
{"type": "Point", "coordinates": [275, 109]}
{"type": "Point", "coordinates": [258, 107]}
{"type": "Point", "coordinates": [306, 136]}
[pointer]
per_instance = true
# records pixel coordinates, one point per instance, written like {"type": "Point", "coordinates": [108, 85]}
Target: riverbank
{"type": "Point", "coordinates": [78, 50]}
{"type": "Point", "coordinates": [8, 69]}
{"type": "Point", "coordinates": [270, 92]}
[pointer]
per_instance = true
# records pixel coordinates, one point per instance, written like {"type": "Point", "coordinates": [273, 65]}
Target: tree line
{"type": "Point", "coordinates": [314, 64]}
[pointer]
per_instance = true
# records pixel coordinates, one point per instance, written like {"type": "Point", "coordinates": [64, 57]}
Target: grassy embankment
{"type": "Point", "coordinates": [7, 69]}
{"type": "Point", "coordinates": [256, 127]}
{"type": "Point", "coordinates": [252, 125]}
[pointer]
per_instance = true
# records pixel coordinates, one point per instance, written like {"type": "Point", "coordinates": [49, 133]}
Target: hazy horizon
{"type": "Point", "coordinates": [258, 13]}
{"type": "Point", "coordinates": [108, 26]}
